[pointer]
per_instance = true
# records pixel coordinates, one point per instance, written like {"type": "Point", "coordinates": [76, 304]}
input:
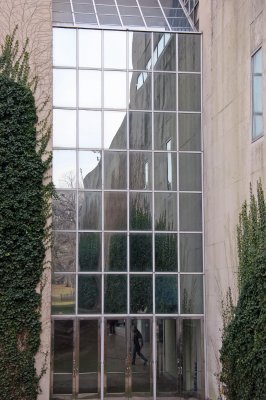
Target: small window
{"type": "Point", "coordinates": [257, 95]}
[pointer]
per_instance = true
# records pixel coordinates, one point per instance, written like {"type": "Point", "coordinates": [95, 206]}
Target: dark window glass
{"type": "Point", "coordinates": [189, 131]}
{"type": "Point", "coordinates": [165, 211]}
{"type": "Point", "coordinates": [140, 130]}
{"type": "Point", "coordinates": [90, 210]}
{"type": "Point", "coordinates": [189, 93]}
{"type": "Point", "coordinates": [166, 294]}
{"type": "Point", "coordinates": [189, 172]}
{"type": "Point", "coordinates": [89, 294]}
{"type": "Point", "coordinates": [140, 294]}
{"type": "Point", "coordinates": [190, 213]}
{"type": "Point", "coordinates": [90, 252]}
{"type": "Point", "coordinates": [191, 294]}
{"type": "Point", "coordinates": [115, 247]}
{"type": "Point", "coordinates": [165, 252]}
{"type": "Point", "coordinates": [64, 210]}
{"type": "Point", "coordinates": [140, 252]}
{"type": "Point", "coordinates": [64, 252]}
{"type": "Point", "coordinates": [140, 170]}
{"type": "Point", "coordinates": [164, 131]}
{"type": "Point", "coordinates": [189, 53]}
{"type": "Point", "coordinates": [165, 169]}
{"type": "Point", "coordinates": [191, 252]}
{"type": "Point", "coordinates": [164, 52]}
{"type": "Point", "coordinates": [140, 211]}
{"type": "Point", "coordinates": [115, 211]}
{"type": "Point", "coordinates": [164, 91]}
{"type": "Point", "coordinates": [140, 91]}
{"type": "Point", "coordinates": [115, 298]}
{"type": "Point", "coordinates": [139, 50]}
{"type": "Point", "coordinates": [115, 170]}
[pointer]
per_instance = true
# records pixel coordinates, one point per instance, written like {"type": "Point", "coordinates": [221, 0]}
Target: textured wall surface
{"type": "Point", "coordinates": [232, 31]}
{"type": "Point", "coordinates": [33, 18]}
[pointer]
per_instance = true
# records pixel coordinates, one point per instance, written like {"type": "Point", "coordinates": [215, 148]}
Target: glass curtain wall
{"type": "Point", "coordinates": [127, 219]}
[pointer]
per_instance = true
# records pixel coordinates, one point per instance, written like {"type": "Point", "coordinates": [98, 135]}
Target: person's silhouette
{"type": "Point", "coordinates": [138, 343]}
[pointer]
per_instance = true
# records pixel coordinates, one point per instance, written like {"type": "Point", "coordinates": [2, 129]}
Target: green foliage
{"type": "Point", "coordinates": [24, 208]}
{"type": "Point", "coordinates": [243, 352]}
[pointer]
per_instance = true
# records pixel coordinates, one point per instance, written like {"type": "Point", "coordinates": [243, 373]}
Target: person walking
{"type": "Point", "coordinates": [138, 344]}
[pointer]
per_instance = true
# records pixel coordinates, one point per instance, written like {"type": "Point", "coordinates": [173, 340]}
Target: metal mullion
{"type": "Point", "coordinates": [77, 173]}
{"type": "Point", "coordinates": [128, 167]}
{"type": "Point", "coordinates": [95, 11]}
{"type": "Point", "coordinates": [72, 12]}
{"type": "Point", "coordinates": [178, 179]}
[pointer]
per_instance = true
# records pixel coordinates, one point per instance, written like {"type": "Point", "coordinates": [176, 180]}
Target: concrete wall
{"type": "Point", "coordinates": [232, 31]}
{"type": "Point", "coordinates": [33, 18]}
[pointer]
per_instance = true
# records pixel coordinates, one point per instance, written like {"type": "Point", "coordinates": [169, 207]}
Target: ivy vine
{"type": "Point", "coordinates": [24, 235]}
{"type": "Point", "coordinates": [243, 352]}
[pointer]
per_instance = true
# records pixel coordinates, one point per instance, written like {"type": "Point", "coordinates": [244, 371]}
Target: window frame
{"type": "Point", "coordinates": [255, 137]}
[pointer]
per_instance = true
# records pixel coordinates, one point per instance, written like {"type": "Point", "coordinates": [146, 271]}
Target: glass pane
{"type": "Point", "coordinates": [190, 211]}
{"type": "Point", "coordinates": [115, 170]}
{"type": "Point", "coordinates": [257, 62]}
{"type": "Point", "coordinates": [115, 50]}
{"type": "Point", "coordinates": [63, 294]}
{"type": "Point", "coordinates": [191, 294]}
{"type": "Point", "coordinates": [257, 94]}
{"type": "Point", "coordinates": [63, 346]}
{"type": "Point", "coordinates": [140, 252]}
{"type": "Point", "coordinates": [88, 356]}
{"type": "Point", "coordinates": [165, 131]}
{"type": "Point", "coordinates": [257, 125]}
{"type": "Point", "coordinates": [115, 297]}
{"type": "Point", "coordinates": [90, 252]}
{"type": "Point", "coordinates": [115, 248]}
{"type": "Point", "coordinates": [166, 294]}
{"type": "Point", "coordinates": [192, 358]}
{"type": "Point", "coordinates": [164, 91]}
{"type": "Point", "coordinates": [64, 210]}
{"type": "Point", "coordinates": [115, 211]}
{"type": "Point", "coordinates": [64, 168]}
{"type": "Point", "coordinates": [90, 129]}
{"type": "Point", "coordinates": [165, 252]}
{"type": "Point", "coordinates": [64, 88]}
{"type": "Point", "coordinates": [115, 355]}
{"type": "Point", "coordinates": [140, 170]}
{"type": "Point", "coordinates": [141, 350]}
{"type": "Point", "coordinates": [165, 211]}
{"type": "Point", "coordinates": [90, 169]}
{"type": "Point", "coordinates": [139, 50]}
{"type": "Point", "coordinates": [189, 92]}
{"type": "Point", "coordinates": [140, 130]}
{"type": "Point", "coordinates": [189, 132]}
{"type": "Point", "coordinates": [115, 130]}
{"type": "Point", "coordinates": [115, 89]}
{"type": "Point", "coordinates": [64, 47]}
{"type": "Point", "coordinates": [191, 252]}
{"type": "Point", "coordinates": [165, 169]}
{"type": "Point", "coordinates": [140, 91]}
{"type": "Point", "coordinates": [189, 172]}
{"type": "Point", "coordinates": [140, 211]}
{"type": "Point", "coordinates": [189, 53]}
{"type": "Point", "coordinates": [140, 294]}
{"type": "Point", "coordinates": [164, 53]}
{"type": "Point", "coordinates": [64, 128]}
{"type": "Point", "coordinates": [89, 294]}
{"type": "Point", "coordinates": [90, 210]}
{"type": "Point", "coordinates": [64, 252]}
{"type": "Point", "coordinates": [90, 89]}
{"type": "Point", "coordinates": [132, 21]}
{"type": "Point", "coordinates": [89, 48]}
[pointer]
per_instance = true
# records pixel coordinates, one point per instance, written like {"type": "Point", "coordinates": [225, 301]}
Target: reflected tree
{"type": "Point", "coordinates": [89, 251]}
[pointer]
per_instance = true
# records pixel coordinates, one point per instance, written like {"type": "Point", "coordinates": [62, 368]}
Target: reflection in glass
{"type": "Point", "coordinates": [165, 211]}
{"type": "Point", "coordinates": [115, 130]}
{"type": "Point", "coordinates": [164, 131]}
{"type": "Point", "coordinates": [64, 210]}
{"type": "Point", "coordinates": [189, 132]}
{"type": "Point", "coordinates": [189, 172]}
{"type": "Point", "coordinates": [90, 249]}
{"type": "Point", "coordinates": [63, 357]}
{"type": "Point", "coordinates": [115, 297]}
{"type": "Point", "coordinates": [90, 89]}
{"type": "Point", "coordinates": [165, 252]}
{"type": "Point", "coordinates": [64, 47]}
{"type": "Point", "coordinates": [140, 252]}
{"type": "Point", "coordinates": [164, 91]}
{"type": "Point", "coordinates": [115, 170]}
{"type": "Point", "coordinates": [140, 136]}
{"type": "Point", "coordinates": [191, 252]}
{"type": "Point", "coordinates": [191, 294]}
{"type": "Point", "coordinates": [64, 168]}
{"type": "Point", "coordinates": [189, 97]}
{"type": "Point", "coordinates": [115, 49]}
{"type": "Point", "coordinates": [115, 89]}
{"type": "Point", "coordinates": [64, 251]}
{"type": "Point", "coordinates": [140, 91]}
{"type": "Point", "coordinates": [63, 294]}
{"type": "Point", "coordinates": [64, 128]}
{"type": "Point", "coordinates": [115, 249]}
{"type": "Point", "coordinates": [89, 294]}
{"type": "Point", "coordinates": [64, 88]}
{"type": "Point", "coordinates": [90, 169]}
{"type": "Point", "coordinates": [165, 171]}
{"type": "Point", "coordinates": [88, 356]}
{"type": "Point", "coordinates": [140, 211]}
{"type": "Point", "coordinates": [189, 53]}
{"type": "Point", "coordinates": [190, 206]}
{"type": "Point", "coordinates": [166, 294]}
{"type": "Point", "coordinates": [140, 294]}
{"type": "Point", "coordinates": [89, 48]}
{"type": "Point", "coordinates": [164, 53]}
{"type": "Point", "coordinates": [115, 211]}
{"type": "Point", "coordinates": [139, 50]}
{"type": "Point", "coordinates": [90, 210]}
{"type": "Point", "coordinates": [140, 170]}
{"type": "Point", "coordinates": [90, 129]}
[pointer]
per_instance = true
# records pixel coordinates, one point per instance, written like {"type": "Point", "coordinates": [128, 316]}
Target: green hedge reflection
{"type": "Point", "coordinates": [166, 294]}
{"type": "Point", "coordinates": [118, 252]}
{"type": "Point", "coordinates": [89, 299]}
{"type": "Point", "coordinates": [115, 294]}
{"type": "Point", "coordinates": [141, 294]}
{"type": "Point", "coordinates": [89, 251]}
{"type": "Point", "coordinates": [166, 252]}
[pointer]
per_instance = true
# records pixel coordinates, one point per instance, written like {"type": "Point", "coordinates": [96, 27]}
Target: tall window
{"type": "Point", "coordinates": [257, 95]}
